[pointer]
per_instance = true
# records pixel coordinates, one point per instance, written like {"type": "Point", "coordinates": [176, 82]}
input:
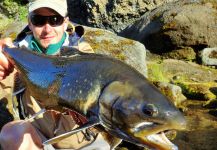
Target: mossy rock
{"type": "Point", "coordinates": [199, 91]}
{"type": "Point", "coordinates": [184, 53]}
{"type": "Point", "coordinates": [129, 51]}
{"type": "Point", "coordinates": [173, 92]}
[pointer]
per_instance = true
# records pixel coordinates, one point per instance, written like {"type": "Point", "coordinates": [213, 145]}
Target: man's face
{"type": "Point", "coordinates": [47, 34]}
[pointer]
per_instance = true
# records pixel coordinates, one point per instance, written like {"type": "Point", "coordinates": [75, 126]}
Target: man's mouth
{"type": "Point", "coordinates": [47, 37]}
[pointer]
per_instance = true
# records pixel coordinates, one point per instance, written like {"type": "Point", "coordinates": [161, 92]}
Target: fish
{"type": "Point", "coordinates": [108, 92]}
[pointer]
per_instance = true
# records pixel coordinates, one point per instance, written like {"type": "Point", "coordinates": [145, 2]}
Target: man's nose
{"type": "Point", "coordinates": [47, 27]}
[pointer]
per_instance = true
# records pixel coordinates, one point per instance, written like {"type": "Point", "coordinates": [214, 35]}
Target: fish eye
{"type": "Point", "coordinates": [150, 110]}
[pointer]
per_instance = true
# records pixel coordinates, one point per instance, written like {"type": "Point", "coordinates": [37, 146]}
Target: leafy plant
{"type": "Point", "coordinates": [14, 9]}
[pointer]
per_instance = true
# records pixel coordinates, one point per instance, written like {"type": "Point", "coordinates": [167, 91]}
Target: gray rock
{"type": "Point", "coordinates": [13, 29]}
{"type": "Point", "coordinates": [111, 15]}
{"type": "Point", "coordinates": [170, 26]}
{"type": "Point", "coordinates": [209, 56]}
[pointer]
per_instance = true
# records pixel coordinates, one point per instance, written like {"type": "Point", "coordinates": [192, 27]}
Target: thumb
{"type": "Point", "coordinates": [4, 62]}
{"type": "Point", "coordinates": [6, 41]}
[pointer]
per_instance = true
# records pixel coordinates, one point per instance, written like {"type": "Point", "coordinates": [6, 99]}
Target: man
{"type": "Point", "coordinates": [48, 22]}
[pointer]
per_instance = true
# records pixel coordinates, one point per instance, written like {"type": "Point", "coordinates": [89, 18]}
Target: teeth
{"type": "Point", "coordinates": [165, 138]}
{"type": "Point", "coordinates": [161, 139]}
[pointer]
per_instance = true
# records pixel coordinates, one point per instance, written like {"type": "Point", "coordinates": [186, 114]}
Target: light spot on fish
{"type": "Point", "coordinates": [68, 84]}
{"type": "Point", "coordinates": [85, 80]}
{"type": "Point", "coordinates": [92, 97]}
{"type": "Point", "coordinates": [80, 92]}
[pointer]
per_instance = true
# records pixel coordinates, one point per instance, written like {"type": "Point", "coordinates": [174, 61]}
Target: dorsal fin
{"type": "Point", "coordinates": [70, 51]}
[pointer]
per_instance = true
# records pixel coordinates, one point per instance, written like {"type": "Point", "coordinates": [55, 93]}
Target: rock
{"type": "Point", "coordinates": [129, 51]}
{"type": "Point", "coordinates": [173, 92]}
{"type": "Point", "coordinates": [209, 56]}
{"type": "Point", "coordinates": [198, 91]}
{"type": "Point", "coordinates": [176, 24]}
{"type": "Point", "coordinates": [170, 70]}
{"type": "Point", "coordinates": [13, 29]}
{"type": "Point", "coordinates": [110, 15]}
{"type": "Point", "coordinates": [184, 53]}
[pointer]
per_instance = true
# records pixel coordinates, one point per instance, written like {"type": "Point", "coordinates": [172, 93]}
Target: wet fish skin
{"type": "Point", "coordinates": [125, 102]}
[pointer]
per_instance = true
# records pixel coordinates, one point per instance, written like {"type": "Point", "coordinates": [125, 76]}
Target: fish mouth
{"type": "Point", "coordinates": [154, 135]}
{"type": "Point", "coordinates": [160, 141]}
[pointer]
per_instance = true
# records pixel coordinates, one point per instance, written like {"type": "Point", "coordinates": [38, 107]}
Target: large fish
{"type": "Point", "coordinates": [107, 91]}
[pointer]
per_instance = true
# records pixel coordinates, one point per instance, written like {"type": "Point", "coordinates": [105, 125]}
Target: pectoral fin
{"type": "Point", "coordinates": [92, 122]}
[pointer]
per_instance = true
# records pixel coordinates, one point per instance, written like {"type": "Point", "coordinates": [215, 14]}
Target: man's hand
{"type": "Point", "coordinates": [20, 134]}
{"type": "Point", "coordinates": [5, 66]}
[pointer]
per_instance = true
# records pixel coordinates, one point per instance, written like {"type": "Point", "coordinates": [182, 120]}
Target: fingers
{"type": "Point", "coordinates": [6, 41]}
{"type": "Point", "coordinates": [5, 66]}
{"type": "Point", "coordinates": [4, 73]}
{"type": "Point", "coordinates": [4, 61]}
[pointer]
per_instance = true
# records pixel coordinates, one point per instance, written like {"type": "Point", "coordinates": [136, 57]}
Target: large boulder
{"type": "Point", "coordinates": [107, 14]}
{"type": "Point", "coordinates": [129, 51]}
{"type": "Point", "coordinates": [177, 24]}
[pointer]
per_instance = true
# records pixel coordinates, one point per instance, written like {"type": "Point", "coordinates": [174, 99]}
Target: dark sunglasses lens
{"type": "Point", "coordinates": [38, 20]}
{"type": "Point", "coordinates": [55, 20]}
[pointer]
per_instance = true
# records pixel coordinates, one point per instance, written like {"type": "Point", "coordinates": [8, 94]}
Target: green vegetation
{"type": "Point", "coordinates": [14, 9]}
{"type": "Point", "coordinates": [155, 73]}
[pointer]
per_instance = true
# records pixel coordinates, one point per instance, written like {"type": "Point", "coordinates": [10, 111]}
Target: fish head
{"type": "Point", "coordinates": [139, 114]}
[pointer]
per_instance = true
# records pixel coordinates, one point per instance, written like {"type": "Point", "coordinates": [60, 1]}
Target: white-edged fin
{"type": "Point", "coordinates": [93, 121]}
{"type": "Point", "coordinates": [70, 51]}
{"type": "Point", "coordinates": [161, 139]}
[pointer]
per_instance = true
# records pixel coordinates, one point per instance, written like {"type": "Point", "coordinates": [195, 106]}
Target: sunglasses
{"type": "Point", "coordinates": [39, 20]}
